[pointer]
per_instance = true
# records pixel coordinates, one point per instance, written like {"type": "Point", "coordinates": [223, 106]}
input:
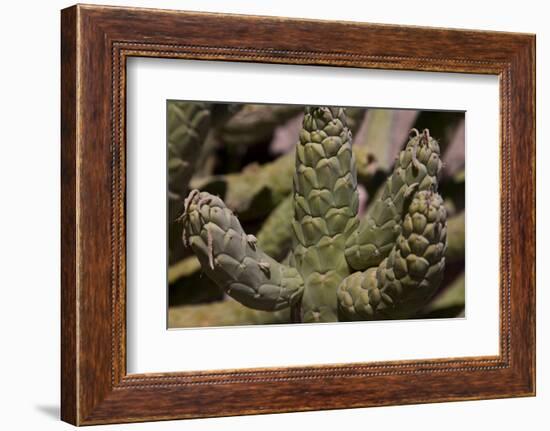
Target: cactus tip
{"type": "Point", "coordinates": [414, 133]}
{"type": "Point", "coordinates": [425, 136]}
{"type": "Point", "coordinates": [426, 133]}
{"type": "Point", "coordinates": [210, 245]}
{"type": "Point", "coordinates": [251, 240]}
{"type": "Point", "coordinates": [416, 163]}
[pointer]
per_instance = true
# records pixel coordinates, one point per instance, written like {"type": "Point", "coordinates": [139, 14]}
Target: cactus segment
{"type": "Point", "coordinates": [232, 258]}
{"type": "Point", "coordinates": [188, 128]}
{"type": "Point", "coordinates": [410, 275]}
{"type": "Point", "coordinates": [255, 191]}
{"type": "Point", "coordinates": [417, 168]}
{"type": "Point", "coordinates": [189, 125]}
{"type": "Point", "coordinates": [456, 238]}
{"type": "Point", "coordinates": [383, 133]}
{"type": "Point", "coordinates": [275, 236]}
{"type": "Point", "coordinates": [325, 208]}
{"type": "Point", "coordinates": [255, 123]}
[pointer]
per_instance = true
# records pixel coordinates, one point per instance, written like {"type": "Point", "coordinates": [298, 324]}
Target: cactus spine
{"type": "Point", "coordinates": [386, 267]}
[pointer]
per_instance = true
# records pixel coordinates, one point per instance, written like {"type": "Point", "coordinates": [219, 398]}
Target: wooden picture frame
{"type": "Point", "coordinates": [96, 41]}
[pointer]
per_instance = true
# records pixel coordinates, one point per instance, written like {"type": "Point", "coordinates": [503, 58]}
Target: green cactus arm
{"type": "Point", "coordinates": [383, 133]}
{"type": "Point", "coordinates": [233, 260]}
{"type": "Point", "coordinates": [449, 303]}
{"type": "Point", "coordinates": [255, 191]}
{"type": "Point", "coordinates": [417, 168]}
{"type": "Point", "coordinates": [456, 236]}
{"type": "Point", "coordinates": [255, 123]}
{"type": "Point", "coordinates": [275, 235]}
{"type": "Point", "coordinates": [187, 129]}
{"type": "Point", "coordinates": [325, 209]}
{"type": "Point", "coordinates": [354, 118]}
{"type": "Point", "coordinates": [408, 278]}
{"type": "Point", "coordinates": [184, 268]}
{"type": "Point", "coordinates": [191, 127]}
{"type": "Point", "coordinates": [188, 125]}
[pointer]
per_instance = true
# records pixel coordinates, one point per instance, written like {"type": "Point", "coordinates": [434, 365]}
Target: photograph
{"type": "Point", "coordinates": [275, 215]}
{"type": "Point", "coordinates": [287, 214]}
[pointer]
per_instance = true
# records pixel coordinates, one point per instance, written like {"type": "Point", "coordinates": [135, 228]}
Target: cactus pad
{"type": "Point", "coordinates": [232, 259]}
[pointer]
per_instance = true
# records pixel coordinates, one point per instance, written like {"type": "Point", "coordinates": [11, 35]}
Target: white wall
{"type": "Point", "coordinates": [29, 214]}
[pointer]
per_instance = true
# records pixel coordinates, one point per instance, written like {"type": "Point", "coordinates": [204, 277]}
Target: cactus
{"type": "Point", "coordinates": [189, 125]}
{"type": "Point", "coordinates": [417, 169]}
{"type": "Point", "coordinates": [255, 123]}
{"type": "Point", "coordinates": [256, 190]}
{"type": "Point", "coordinates": [388, 266]}
{"type": "Point", "coordinates": [410, 275]}
{"type": "Point", "coordinates": [383, 133]}
{"type": "Point", "coordinates": [449, 301]}
{"type": "Point", "coordinates": [275, 236]}
{"type": "Point", "coordinates": [192, 130]}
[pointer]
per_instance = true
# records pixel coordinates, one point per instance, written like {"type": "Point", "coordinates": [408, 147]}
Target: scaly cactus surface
{"type": "Point", "coordinates": [417, 168]}
{"type": "Point", "coordinates": [232, 259]}
{"type": "Point", "coordinates": [409, 276]}
{"type": "Point", "coordinates": [388, 266]}
{"type": "Point", "coordinates": [189, 125]}
{"type": "Point", "coordinates": [257, 189]}
{"type": "Point", "coordinates": [275, 236]}
{"type": "Point", "coordinates": [325, 209]}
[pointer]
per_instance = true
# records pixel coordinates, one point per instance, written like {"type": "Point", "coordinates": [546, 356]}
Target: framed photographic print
{"type": "Point", "coordinates": [251, 207]}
